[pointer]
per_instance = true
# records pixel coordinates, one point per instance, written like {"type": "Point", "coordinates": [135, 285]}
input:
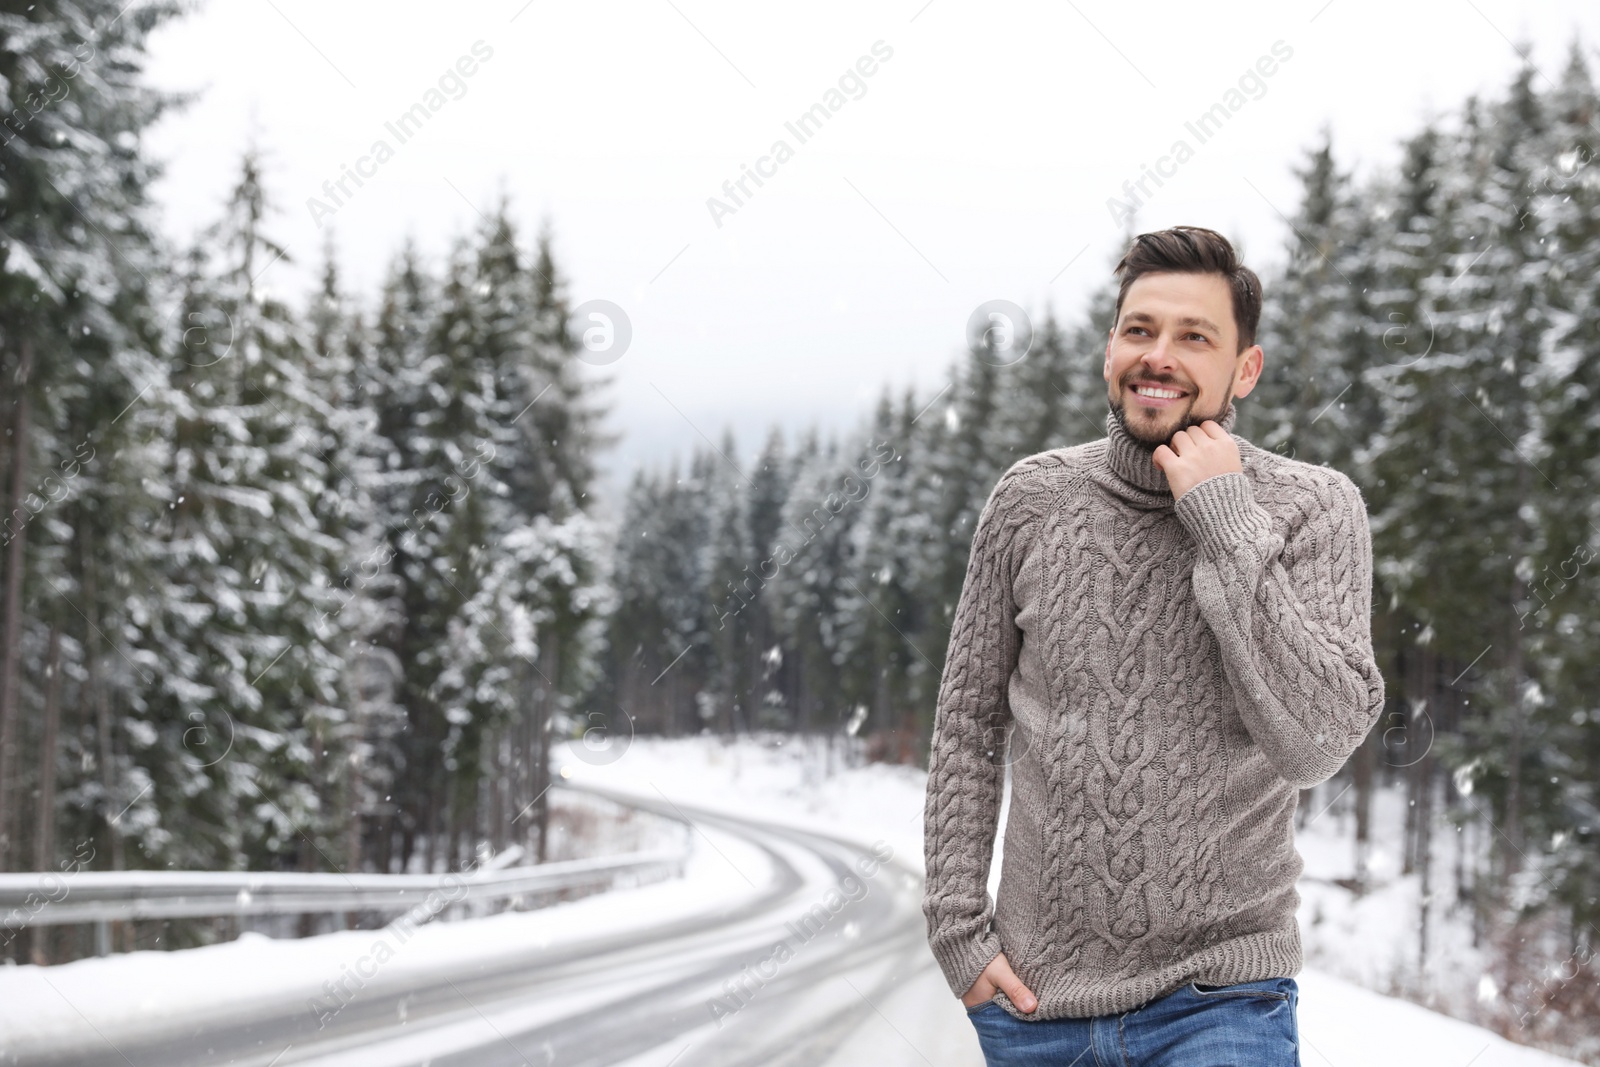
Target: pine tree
{"type": "Point", "coordinates": [810, 591]}
{"type": "Point", "coordinates": [960, 470]}
{"type": "Point", "coordinates": [1561, 633]}
{"type": "Point", "coordinates": [249, 663]}
{"type": "Point", "coordinates": [1408, 225]}
{"type": "Point", "coordinates": [353, 749]}
{"type": "Point", "coordinates": [878, 611]}
{"type": "Point", "coordinates": [733, 583]}
{"type": "Point", "coordinates": [1494, 323]}
{"type": "Point", "coordinates": [1311, 402]}
{"type": "Point", "coordinates": [768, 492]}
{"type": "Point", "coordinates": [80, 286]}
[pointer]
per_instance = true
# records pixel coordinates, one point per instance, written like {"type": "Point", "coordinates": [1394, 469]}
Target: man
{"type": "Point", "coordinates": [1173, 627]}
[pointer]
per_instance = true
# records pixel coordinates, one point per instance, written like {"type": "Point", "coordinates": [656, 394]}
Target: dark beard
{"type": "Point", "coordinates": [1191, 419]}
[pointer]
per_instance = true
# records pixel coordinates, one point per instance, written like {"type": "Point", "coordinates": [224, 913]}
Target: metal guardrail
{"type": "Point", "coordinates": [101, 896]}
{"type": "Point", "coordinates": [50, 898]}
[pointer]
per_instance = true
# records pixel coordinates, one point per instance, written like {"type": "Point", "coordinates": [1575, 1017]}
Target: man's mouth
{"type": "Point", "coordinates": [1156, 396]}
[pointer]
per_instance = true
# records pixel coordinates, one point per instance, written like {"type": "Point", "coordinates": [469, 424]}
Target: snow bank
{"type": "Point", "coordinates": [798, 783]}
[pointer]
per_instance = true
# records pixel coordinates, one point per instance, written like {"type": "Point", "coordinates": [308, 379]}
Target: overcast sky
{"type": "Point", "coordinates": [975, 162]}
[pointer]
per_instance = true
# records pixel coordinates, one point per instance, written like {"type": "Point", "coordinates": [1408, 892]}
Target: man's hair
{"type": "Point", "coordinates": [1195, 250]}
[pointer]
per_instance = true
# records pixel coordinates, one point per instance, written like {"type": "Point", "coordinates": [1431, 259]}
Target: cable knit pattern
{"type": "Point", "coordinates": [1170, 673]}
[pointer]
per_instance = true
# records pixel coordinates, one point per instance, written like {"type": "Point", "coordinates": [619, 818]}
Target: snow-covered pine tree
{"type": "Point", "coordinates": [733, 585]}
{"type": "Point", "coordinates": [461, 673]}
{"type": "Point", "coordinates": [395, 372]}
{"type": "Point", "coordinates": [1405, 253]}
{"type": "Point", "coordinates": [643, 635]}
{"type": "Point", "coordinates": [810, 588]}
{"type": "Point", "coordinates": [243, 658]}
{"type": "Point", "coordinates": [80, 286]}
{"type": "Point", "coordinates": [1029, 395]}
{"type": "Point", "coordinates": [960, 466]}
{"type": "Point", "coordinates": [913, 529]}
{"type": "Point", "coordinates": [1562, 631]}
{"type": "Point", "coordinates": [1494, 316]}
{"type": "Point", "coordinates": [1085, 399]}
{"type": "Point", "coordinates": [1313, 329]}
{"type": "Point", "coordinates": [877, 609]}
{"type": "Point", "coordinates": [353, 751]}
{"type": "Point", "coordinates": [769, 490]}
{"type": "Point", "coordinates": [538, 587]}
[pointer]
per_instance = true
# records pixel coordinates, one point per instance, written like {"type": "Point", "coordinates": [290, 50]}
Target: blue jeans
{"type": "Point", "coordinates": [1251, 1024]}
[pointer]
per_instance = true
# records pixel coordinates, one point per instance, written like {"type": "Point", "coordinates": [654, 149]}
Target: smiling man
{"type": "Point", "coordinates": [1165, 634]}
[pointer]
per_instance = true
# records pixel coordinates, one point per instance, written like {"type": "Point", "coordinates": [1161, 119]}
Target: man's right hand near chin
{"type": "Point", "coordinates": [999, 977]}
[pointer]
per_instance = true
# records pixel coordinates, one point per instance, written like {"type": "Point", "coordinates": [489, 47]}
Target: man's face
{"type": "Point", "coordinates": [1176, 334]}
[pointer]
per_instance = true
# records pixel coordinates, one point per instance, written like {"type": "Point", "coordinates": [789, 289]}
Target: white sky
{"type": "Point", "coordinates": [977, 165]}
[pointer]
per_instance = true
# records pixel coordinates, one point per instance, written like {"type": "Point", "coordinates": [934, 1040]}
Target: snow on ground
{"type": "Point", "coordinates": [584, 826]}
{"type": "Point", "coordinates": [1373, 940]}
{"type": "Point", "coordinates": [784, 779]}
{"type": "Point", "coordinates": [1344, 1025]}
{"type": "Point", "coordinates": [122, 993]}
{"type": "Point", "coordinates": [803, 784]}
{"type": "Point", "coordinates": [1354, 949]}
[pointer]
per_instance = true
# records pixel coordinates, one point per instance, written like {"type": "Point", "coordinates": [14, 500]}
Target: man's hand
{"type": "Point", "coordinates": [999, 976]}
{"type": "Point", "coordinates": [1197, 453]}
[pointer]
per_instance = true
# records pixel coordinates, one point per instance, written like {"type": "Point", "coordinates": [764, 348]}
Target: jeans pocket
{"type": "Point", "coordinates": [1271, 988]}
{"type": "Point", "coordinates": [976, 1008]}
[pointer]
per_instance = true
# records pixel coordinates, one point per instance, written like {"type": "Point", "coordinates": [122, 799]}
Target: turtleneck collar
{"type": "Point", "coordinates": [1132, 461]}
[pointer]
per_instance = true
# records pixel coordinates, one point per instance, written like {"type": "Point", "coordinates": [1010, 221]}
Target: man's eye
{"type": "Point", "coordinates": [1200, 336]}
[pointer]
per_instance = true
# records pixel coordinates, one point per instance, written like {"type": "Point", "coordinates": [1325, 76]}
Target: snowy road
{"type": "Point", "coordinates": [783, 973]}
{"type": "Point", "coordinates": [655, 975]}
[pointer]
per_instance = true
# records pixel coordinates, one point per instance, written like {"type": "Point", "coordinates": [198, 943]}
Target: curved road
{"type": "Point", "coordinates": [752, 981]}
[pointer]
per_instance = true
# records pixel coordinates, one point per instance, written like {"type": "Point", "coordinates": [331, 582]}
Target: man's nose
{"type": "Point", "coordinates": [1159, 354]}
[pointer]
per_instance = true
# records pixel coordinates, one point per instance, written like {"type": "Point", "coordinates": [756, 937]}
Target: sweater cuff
{"type": "Point", "coordinates": [963, 959]}
{"type": "Point", "coordinates": [1222, 514]}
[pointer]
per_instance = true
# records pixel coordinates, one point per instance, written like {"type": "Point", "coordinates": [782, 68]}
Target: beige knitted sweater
{"type": "Point", "coordinates": [1170, 674]}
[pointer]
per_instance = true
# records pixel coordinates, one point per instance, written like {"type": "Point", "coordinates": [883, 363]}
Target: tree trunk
{"type": "Point", "coordinates": [1408, 703]}
{"type": "Point", "coordinates": [543, 704]}
{"type": "Point", "coordinates": [353, 792]}
{"type": "Point", "coordinates": [1511, 849]}
{"type": "Point", "coordinates": [44, 841]}
{"type": "Point", "coordinates": [306, 848]}
{"type": "Point", "coordinates": [121, 932]}
{"type": "Point", "coordinates": [1302, 804]}
{"type": "Point", "coordinates": [1423, 771]}
{"type": "Point", "coordinates": [101, 700]}
{"type": "Point", "coordinates": [495, 745]}
{"type": "Point", "coordinates": [1361, 771]}
{"type": "Point", "coordinates": [453, 821]}
{"type": "Point", "coordinates": [11, 626]}
{"type": "Point", "coordinates": [408, 839]}
{"type": "Point", "coordinates": [430, 853]}
{"type": "Point", "coordinates": [527, 759]}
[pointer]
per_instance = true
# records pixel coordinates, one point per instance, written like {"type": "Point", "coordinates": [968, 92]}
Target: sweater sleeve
{"type": "Point", "coordinates": [966, 765]}
{"type": "Point", "coordinates": [1293, 621]}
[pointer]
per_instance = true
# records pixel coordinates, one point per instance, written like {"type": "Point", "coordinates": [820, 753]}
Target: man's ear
{"type": "Point", "coordinates": [1249, 372]}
